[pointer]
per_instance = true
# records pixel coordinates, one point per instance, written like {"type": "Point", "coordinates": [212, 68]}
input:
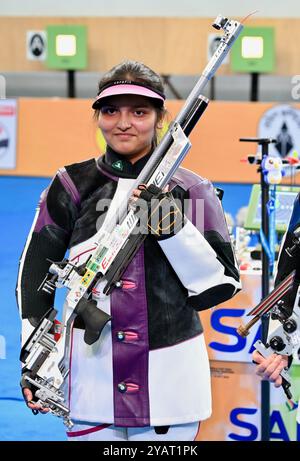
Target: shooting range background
{"type": "Point", "coordinates": [52, 132]}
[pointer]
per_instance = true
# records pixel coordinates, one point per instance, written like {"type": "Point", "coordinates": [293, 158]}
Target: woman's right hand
{"type": "Point", "coordinates": [269, 368]}
{"type": "Point", "coordinates": [33, 405]}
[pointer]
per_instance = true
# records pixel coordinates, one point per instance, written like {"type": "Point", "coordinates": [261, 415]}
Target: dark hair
{"type": "Point", "coordinates": [134, 71]}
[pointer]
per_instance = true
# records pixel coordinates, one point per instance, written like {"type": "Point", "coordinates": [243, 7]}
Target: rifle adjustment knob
{"type": "Point", "coordinates": [290, 326]}
{"type": "Point", "coordinates": [277, 343]}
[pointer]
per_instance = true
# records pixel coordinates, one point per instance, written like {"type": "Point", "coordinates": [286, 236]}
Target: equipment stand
{"type": "Point", "coordinates": [265, 282]}
{"type": "Point", "coordinates": [254, 92]}
{"type": "Point", "coordinates": [71, 84]}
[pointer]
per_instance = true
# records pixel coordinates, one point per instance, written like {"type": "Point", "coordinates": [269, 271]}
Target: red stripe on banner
{"type": "Point", "coordinates": [88, 431]}
{"type": "Point", "coordinates": [7, 110]}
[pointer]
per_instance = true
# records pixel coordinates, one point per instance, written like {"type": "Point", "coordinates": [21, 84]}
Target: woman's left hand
{"type": "Point", "coordinates": [269, 368]}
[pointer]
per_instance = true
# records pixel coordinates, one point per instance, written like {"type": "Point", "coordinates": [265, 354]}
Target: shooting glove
{"type": "Point", "coordinates": [162, 217]}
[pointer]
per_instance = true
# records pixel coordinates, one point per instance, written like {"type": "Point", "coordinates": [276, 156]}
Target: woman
{"type": "Point", "coordinates": [147, 377]}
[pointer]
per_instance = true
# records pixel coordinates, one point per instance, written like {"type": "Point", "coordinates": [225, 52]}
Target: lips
{"type": "Point", "coordinates": [124, 134]}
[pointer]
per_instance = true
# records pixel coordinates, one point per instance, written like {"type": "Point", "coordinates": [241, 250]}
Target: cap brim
{"type": "Point", "coordinates": [126, 89]}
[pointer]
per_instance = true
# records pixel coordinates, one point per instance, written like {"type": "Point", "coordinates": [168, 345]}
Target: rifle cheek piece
{"type": "Point", "coordinates": [94, 319]}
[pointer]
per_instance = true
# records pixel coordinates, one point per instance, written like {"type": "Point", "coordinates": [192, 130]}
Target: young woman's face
{"type": "Point", "coordinates": [128, 124]}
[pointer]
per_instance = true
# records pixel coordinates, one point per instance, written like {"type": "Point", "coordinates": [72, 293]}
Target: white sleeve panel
{"type": "Point", "coordinates": [21, 262]}
{"type": "Point", "coordinates": [27, 330]}
{"type": "Point", "coordinates": [194, 261]}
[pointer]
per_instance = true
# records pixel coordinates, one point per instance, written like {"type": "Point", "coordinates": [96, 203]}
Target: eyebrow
{"type": "Point", "coordinates": [135, 106]}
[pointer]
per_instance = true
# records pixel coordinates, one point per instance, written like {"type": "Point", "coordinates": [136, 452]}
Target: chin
{"type": "Point", "coordinates": [123, 151]}
{"type": "Point", "coordinates": [124, 148]}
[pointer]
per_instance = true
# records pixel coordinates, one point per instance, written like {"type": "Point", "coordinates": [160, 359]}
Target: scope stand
{"type": "Point", "coordinates": [71, 89]}
{"type": "Point", "coordinates": [265, 282]}
{"type": "Point", "coordinates": [254, 90]}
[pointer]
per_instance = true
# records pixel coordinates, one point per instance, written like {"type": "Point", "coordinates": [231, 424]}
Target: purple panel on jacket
{"type": "Point", "coordinates": [44, 218]}
{"type": "Point", "coordinates": [186, 178]}
{"type": "Point", "coordinates": [130, 358]}
{"type": "Point", "coordinates": [69, 185]}
{"type": "Point", "coordinates": [201, 188]}
{"type": "Point", "coordinates": [214, 219]}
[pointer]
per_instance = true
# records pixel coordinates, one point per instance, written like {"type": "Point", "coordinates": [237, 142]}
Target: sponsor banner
{"type": "Point", "coordinates": [236, 414]}
{"type": "Point", "coordinates": [220, 323]}
{"type": "Point", "coordinates": [282, 122]}
{"type": "Point", "coordinates": [285, 414]}
{"type": "Point", "coordinates": [235, 404]}
{"type": "Point", "coordinates": [8, 126]}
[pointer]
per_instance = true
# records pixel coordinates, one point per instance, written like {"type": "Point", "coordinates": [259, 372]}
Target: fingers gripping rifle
{"type": "Point", "coordinates": [46, 361]}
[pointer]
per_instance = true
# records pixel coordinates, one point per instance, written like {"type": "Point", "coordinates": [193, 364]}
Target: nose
{"type": "Point", "coordinates": [124, 122]}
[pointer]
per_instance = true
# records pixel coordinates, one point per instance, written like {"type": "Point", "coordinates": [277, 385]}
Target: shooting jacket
{"type": "Point", "coordinates": [150, 364]}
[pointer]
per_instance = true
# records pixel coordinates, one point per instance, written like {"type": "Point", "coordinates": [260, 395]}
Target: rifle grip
{"type": "Point", "coordinates": [94, 319]}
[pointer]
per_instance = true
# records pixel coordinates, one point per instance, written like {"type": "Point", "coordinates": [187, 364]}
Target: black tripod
{"type": "Point", "coordinates": [265, 282]}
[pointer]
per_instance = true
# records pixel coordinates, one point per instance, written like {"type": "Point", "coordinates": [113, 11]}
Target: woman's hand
{"type": "Point", "coordinates": [270, 368]}
{"type": "Point", "coordinates": [33, 405]}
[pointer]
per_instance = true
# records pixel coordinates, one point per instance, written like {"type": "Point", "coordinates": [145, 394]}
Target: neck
{"type": "Point", "coordinates": [133, 158]}
{"type": "Point", "coordinates": [124, 165]}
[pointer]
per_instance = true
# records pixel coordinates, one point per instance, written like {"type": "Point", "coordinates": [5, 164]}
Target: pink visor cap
{"type": "Point", "coordinates": [127, 87]}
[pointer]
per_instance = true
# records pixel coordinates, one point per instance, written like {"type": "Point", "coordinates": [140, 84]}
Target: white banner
{"type": "Point", "coordinates": [8, 133]}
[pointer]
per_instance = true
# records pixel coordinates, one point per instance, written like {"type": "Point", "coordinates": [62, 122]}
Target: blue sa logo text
{"type": "Point", "coordinates": [239, 343]}
{"type": "Point", "coordinates": [278, 431]}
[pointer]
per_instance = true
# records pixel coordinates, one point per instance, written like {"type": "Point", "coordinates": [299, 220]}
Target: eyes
{"type": "Point", "coordinates": [137, 112]}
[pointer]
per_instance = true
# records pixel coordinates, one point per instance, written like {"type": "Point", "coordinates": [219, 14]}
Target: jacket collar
{"type": "Point", "coordinates": [117, 165]}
